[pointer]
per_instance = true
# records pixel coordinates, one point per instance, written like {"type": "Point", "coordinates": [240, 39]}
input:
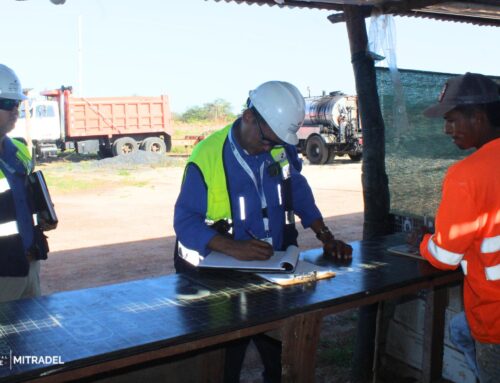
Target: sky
{"type": "Point", "coordinates": [197, 51]}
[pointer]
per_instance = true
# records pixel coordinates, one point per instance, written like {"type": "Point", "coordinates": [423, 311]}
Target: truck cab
{"type": "Point", "coordinates": [43, 124]}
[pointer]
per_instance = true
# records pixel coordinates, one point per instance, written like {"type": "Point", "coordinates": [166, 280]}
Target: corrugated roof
{"type": "Point", "coordinates": [479, 12]}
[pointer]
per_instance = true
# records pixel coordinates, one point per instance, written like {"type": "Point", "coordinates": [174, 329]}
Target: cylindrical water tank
{"type": "Point", "coordinates": [326, 110]}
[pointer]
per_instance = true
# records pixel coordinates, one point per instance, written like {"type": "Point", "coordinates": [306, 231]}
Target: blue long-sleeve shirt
{"type": "Point", "coordinates": [191, 205]}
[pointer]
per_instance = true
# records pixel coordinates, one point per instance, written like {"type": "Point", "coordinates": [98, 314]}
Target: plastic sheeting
{"type": "Point", "coordinates": [382, 42]}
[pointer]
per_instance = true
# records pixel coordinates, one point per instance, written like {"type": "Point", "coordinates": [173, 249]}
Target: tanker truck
{"type": "Point", "coordinates": [331, 128]}
{"type": "Point", "coordinates": [109, 126]}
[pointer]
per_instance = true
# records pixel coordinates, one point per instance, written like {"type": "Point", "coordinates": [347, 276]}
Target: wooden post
{"type": "Point", "coordinates": [300, 338]}
{"type": "Point", "coordinates": [374, 178]}
{"type": "Point", "coordinates": [432, 359]}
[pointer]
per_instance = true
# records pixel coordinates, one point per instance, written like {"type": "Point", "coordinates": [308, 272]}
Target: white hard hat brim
{"type": "Point", "coordinates": [291, 139]}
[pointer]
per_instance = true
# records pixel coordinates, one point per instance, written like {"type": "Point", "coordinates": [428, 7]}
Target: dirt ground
{"type": "Point", "coordinates": [119, 231]}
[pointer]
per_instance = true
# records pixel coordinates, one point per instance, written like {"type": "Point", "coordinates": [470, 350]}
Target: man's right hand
{"type": "Point", "coordinates": [414, 237]}
{"type": "Point", "coordinates": [252, 250]}
{"type": "Point", "coordinates": [248, 250]}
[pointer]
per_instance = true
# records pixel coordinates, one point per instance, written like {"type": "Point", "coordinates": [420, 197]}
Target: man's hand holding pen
{"type": "Point", "coordinates": [245, 250]}
{"type": "Point", "coordinates": [255, 249]}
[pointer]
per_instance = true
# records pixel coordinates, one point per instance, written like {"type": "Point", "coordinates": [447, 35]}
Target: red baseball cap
{"type": "Point", "coordinates": [468, 89]}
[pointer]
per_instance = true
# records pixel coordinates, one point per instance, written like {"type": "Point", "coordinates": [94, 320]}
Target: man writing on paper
{"type": "Point", "coordinates": [22, 243]}
{"type": "Point", "coordinates": [468, 219]}
{"type": "Point", "coordinates": [242, 187]}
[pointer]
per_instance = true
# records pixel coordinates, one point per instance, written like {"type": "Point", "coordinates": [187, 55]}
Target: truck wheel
{"type": "Point", "coordinates": [124, 145]}
{"type": "Point", "coordinates": [356, 157]}
{"type": "Point", "coordinates": [316, 150]}
{"type": "Point", "coordinates": [154, 145]}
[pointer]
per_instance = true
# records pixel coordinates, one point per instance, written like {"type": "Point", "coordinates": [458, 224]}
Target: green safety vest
{"type": "Point", "coordinates": [211, 165]}
{"type": "Point", "coordinates": [13, 261]}
{"type": "Point", "coordinates": [23, 155]}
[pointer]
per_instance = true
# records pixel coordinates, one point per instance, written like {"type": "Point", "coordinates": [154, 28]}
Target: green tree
{"type": "Point", "coordinates": [194, 114]}
{"type": "Point", "coordinates": [217, 110]}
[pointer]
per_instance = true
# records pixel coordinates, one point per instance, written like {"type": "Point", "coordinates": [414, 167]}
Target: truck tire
{"type": "Point", "coordinates": [357, 153]}
{"type": "Point", "coordinates": [124, 146]}
{"type": "Point", "coordinates": [316, 150]}
{"type": "Point", "coordinates": [154, 145]}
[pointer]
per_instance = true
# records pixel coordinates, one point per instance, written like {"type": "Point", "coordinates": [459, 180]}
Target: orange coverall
{"type": "Point", "coordinates": [468, 234]}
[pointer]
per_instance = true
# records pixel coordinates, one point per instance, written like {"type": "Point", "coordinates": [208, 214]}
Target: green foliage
{"type": "Point", "coordinates": [218, 110]}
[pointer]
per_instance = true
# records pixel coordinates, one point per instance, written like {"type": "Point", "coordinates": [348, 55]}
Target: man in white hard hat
{"type": "Point", "coordinates": [22, 243]}
{"type": "Point", "coordinates": [242, 188]}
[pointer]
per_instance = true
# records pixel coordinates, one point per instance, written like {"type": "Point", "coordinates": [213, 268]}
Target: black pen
{"type": "Point", "coordinates": [251, 234]}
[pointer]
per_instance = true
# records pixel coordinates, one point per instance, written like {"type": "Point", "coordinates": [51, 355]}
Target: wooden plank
{"type": "Point", "coordinates": [300, 340]}
{"type": "Point", "coordinates": [211, 365]}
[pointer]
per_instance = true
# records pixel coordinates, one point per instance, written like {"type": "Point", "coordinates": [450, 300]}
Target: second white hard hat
{"type": "Point", "coordinates": [282, 106]}
{"type": "Point", "coordinates": [10, 86]}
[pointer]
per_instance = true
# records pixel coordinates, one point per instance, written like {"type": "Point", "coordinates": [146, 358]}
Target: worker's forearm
{"type": "Point", "coordinates": [247, 250]}
{"type": "Point", "coordinates": [222, 244]}
{"type": "Point", "coordinates": [317, 225]}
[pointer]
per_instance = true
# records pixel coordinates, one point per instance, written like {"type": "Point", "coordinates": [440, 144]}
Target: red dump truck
{"type": "Point", "coordinates": [104, 125]}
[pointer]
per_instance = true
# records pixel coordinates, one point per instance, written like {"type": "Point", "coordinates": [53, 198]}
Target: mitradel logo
{"type": "Point", "coordinates": [12, 360]}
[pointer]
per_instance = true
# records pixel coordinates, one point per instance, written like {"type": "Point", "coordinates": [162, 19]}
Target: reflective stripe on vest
{"type": "Point", "coordinates": [8, 228]}
{"type": "Point", "coordinates": [490, 245]}
{"type": "Point", "coordinates": [443, 255]}
{"type": "Point", "coordinates": [189, 255]}
{"type": "Point", "coordinates": [243, 215]}
{"type": "Point", "coordinates": [464, 266]}
{"type": "Point", "coordinates": [492, 273]}
{"type": "Point", "coordinates": [4, 184]}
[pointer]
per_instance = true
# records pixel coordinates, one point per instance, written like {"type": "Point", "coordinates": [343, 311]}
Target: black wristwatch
{"type": "Point", "coordinates": [325, 234]}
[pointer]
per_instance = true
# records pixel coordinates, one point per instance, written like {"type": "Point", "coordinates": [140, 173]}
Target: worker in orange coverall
{"type": "Point", "coordinates": [468, 218]}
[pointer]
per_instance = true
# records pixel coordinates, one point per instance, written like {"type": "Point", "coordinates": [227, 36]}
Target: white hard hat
{"type": "Point", "coordinates": [10, 86]}
{"type": "Point", "coordinates": [282, 106]}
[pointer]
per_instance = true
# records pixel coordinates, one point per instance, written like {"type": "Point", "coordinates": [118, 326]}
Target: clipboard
{"type": "Point", "coordinates": [43, 203]}
{"type": "Point", "coordinates": [280, 262]}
